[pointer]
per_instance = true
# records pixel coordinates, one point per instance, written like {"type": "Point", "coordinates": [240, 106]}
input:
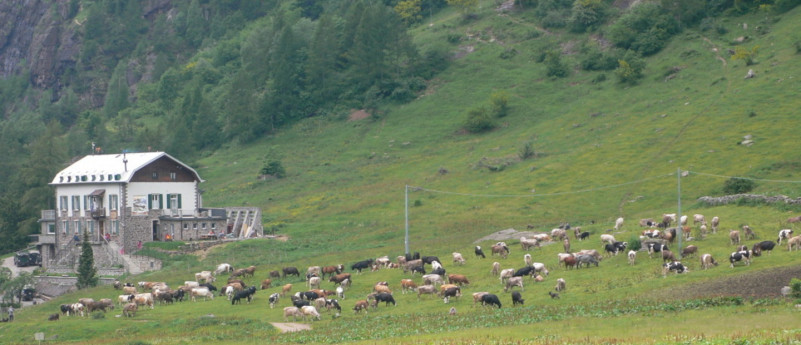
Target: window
{"type": "Point", "coordinates": [174, 201]}
{"type": "Point", "coordinates": [76, 203]}
{"type": "Point", "coordinates": [173, 176]}
{"type": "Point", "coordinates": [64, 203]}
{"type": "Point", "coordinates": [155, 175]}
{"type": "Point", "coordinates": [51, 228]}
{"type": "Point", "coordinates": [90, 227]}
{"type": "Point", "coordinates": [113, 202]}
{"type": "Point", "coordinates": [155, 202]}
{"type": "Point", "coordinates": [65, 227]}
{"type": "Point", "coordinates": [203, 226]}
{"type": "Point", "coordinates": [186, 226]}
{"type": "Point", "coordinates": [115, 227]}
{"type": "Point", "coordinates": [77, 227]}
{"type": "Point", "coordinates": [213, 226]}
{"type": "Point", "coordinates": [87, 203]}
{"type": "Point", "coordinates": [194, 226]}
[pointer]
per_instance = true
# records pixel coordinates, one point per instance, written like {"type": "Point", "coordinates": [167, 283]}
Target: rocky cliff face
{"type": "Point", "coordinates": [38, 35]}
{"type": "Point", "coordinates": [34, 34]}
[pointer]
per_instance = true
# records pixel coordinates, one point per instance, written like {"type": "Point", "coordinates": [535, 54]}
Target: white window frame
{"type": "Point", "coordinates": [113, 202]}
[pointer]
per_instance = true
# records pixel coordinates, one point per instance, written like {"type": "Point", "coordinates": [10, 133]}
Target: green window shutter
{"type": "Point", "coordinates": [150, 202]}
{"type": "Point", "coordinates": [169, 202]}
{"type": "Point", "coordinates": [161, 201]}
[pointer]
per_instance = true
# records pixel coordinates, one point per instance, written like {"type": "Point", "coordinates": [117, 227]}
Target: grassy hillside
{"type": "Point", "coordinates": [604, 150]}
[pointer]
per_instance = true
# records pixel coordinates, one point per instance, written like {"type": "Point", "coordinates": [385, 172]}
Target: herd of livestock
{"type": "Point", "coordinates": [433, 279]}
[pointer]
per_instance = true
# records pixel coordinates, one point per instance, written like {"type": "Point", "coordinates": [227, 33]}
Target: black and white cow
{"type": "Point", "coordinates": [744, 256]}
{"type": "Point", "coordinates": [784, 234]}
{"type": "Point", "coordinates": [246, 294]}
{"type": "Point", "coordinates": [274, 299]}
{"type": "Point", "coordinates": [654, 247]}
{"type": "Point", "coordinates": [480, 252]}
{"type": "Point", "coordinates": [525, 271]}
{"type": "Point", "coordinates": [675, 266]}
{"type": "Point", "coordinates": [430, 259]}
{"type": "Point", "coordinates": [384, 297]}
{"type": "Point", "coordinates": [584, 235]}
{"type": "Point", "coordinates": [616, 247]}
{"type": "Point", "coordinates": [451, 292]}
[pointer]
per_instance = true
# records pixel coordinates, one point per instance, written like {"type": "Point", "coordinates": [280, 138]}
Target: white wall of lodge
{"type": "Point", "coordinates": [75, 202]}
{"type": "Point", "coordinates": [139, 193]}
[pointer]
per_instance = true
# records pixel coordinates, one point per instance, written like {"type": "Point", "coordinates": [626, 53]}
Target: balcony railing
{"type": "Point", "coordinates": [99, 213]}
{"type": "Point", "coordinates": [48, 215]}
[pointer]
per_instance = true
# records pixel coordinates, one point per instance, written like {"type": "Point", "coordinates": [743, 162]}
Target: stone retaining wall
{"type": "Point", "coordinates": [734, 198]}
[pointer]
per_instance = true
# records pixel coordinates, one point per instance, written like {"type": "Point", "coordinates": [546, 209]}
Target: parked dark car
{"type": "Point", "coordinates": [24, 259]}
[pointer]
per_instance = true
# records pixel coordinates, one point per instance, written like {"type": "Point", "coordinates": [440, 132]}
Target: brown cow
{"type": "Point", "coordinates": [690, 250]}
{"type": "Point", "coordinates": [129, 309]}
{"type": "Point", "coordinates": [407, 284]}
{"type": "Point", "coordinates": [265, 284]}
{"type": "Point", "coordinates": [337, 279]}
{"type": "Point", "coordinates": [458, 279]}
{"type": "Point", "coordinates": [331, 270]}
{"type": "Point", "coordinates": [361, 305]}
{"type": "Point", "coordinates": [570, 261]}
{"type": "Point", "coordinates": [286, 288]}
{"type": "Point", "coordinates": [734, 237]}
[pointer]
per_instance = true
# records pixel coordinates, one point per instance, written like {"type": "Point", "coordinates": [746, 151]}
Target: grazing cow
{"type": "Point", "coordinates": [53, 317]}
{"type": "Point", "coordinates": [477, 296]}
{"type": "Point", "coordinates": [432, 279]}
{"type": "Point", "coordinates": [490, 299]}
{"type": "Point", "coordinates": [314, 282]}
{"type": "Point", "coordinates": [332, 303]}
{"type": "Point", "coordinates": [501, 250]}
{"type": "Point", "coordinates": [339, 278]}
{"type": "Point", "coordinates": [286, 288]}
{"type": "Point", "coordinates": [744, 256]}
{"type": "Point", "coordinates": [440, 271]}
{"type": "Point", "coordinates": [763, 246]}
{"type": "Point", "coordinates": [265, 284]}
{"type": "Point", "coordinates": [683, 220]}
{"type": "Point", "coordinates": [784, 234]}
{"type": "Point", "coordinates": [205, 276]}
{"type": "Point", "coordinates": [528, 243]}
{"type": "Point", "coordinates": [512, 282]}
{"type": "Point", "coordinates": [223, 268]}
{"type": "Point", "coordinates": [570, 261]}
{"type": "Point", "coordinates": [688, 251]}
{"type": "Point", "coordinates": [274, 299]}
{"type": "Point", "coordinates": [144, 299]}
{"type": "Point", "coordinates": [715, 222]}
{"type": "Point", "coordinates": [496, 268]}
{"type": "Point", "coordinates": [560, 285]}
{"type": "Point", "coordinates": [436, 265]}
{"type": "Point", "coordinates": [506, 274]}
{"type": "Point", "coordinates": [566, 245]}
{"type": "Point", "coordinates": [275, 274]}
{"type": "Point", "coordinates": [384, 297]}
{"type": "Point", "coordinates": [674, 266]}
{"type": "Point", "coordinates": [129, 310]}
{"type": "Point", "coordinates": [618, 223]}
{"type": "Point", "coordinates": [654, 247]}
{"type": "Point", "coordinates": [632, 257]}
{"type": "Point", "coordinates": [517, 298]}
{"type": "Point", "coordinates": [527, 259]}
{"type": "Point", "coordinates": [614, 248]}
{"type": "Point", "coordinates": [298, 302]}
{"type": "Point", "coordinates": [315, 271]}
{"type": "Point", "coordinates": [607, 238]}
{"type": "Point", "coordinates": [430, 259]}
{"type": "Point", "coordinates": [699, 219]}
{"type": "Point", "coordinates": [795, 219]}
{"type": "Point", "coordinates": [553, 295]}
{"type": "Point", "coordinates": [340, 292]}
{"type": "Point", "coordinates": [652, 233]}
{"type": "Point", "coordinates": [361, 305]}
{"type": "Point", "coordinates": [559, 233]}
{"type": "Point", "coordinates": [246, 293]}
{"type": "Point", "coordinates": [587, 260]}
{"type": "Point", "coordinates": [794, 242]}
{"type": "Point", "coordinates": [128, 290]}
{"type": "Point", "coordinates": [480, 252]}
{"type": "Point", "coordinates": [540, 268]}
{"type": "Point", "coordinates": [458, 279]}
{"type": "Point", "coordinates": [123, 299]}
{"type": "Point", "coordinates": [287, 271]}
{"type": "Point", "coordinates": [453, 291]}
{"type": "Point", "coordinates": [592, 252]}
{"type": "Point", "coordinates": [426, 289]}
{"type": "Point", "coordinates": [294, 312]}
{"type": "Point", "coordinates": [668, 218]}
{"type": "Point", "coordinates": [707, 261]}
{"type": "Point", "coordinates": [201, 292]}
{"type": "Point", "coordinates": [669, 235]}
{"type": "Point", "coordinates": [584, 235]}
{"type": "Point", "coordinates": [749, 234]}
{"type": "Point", "coordinates": [647, 222]}
{"type": "Point", "coordinates": [382, 261]}
{"type": "Point", "coordinates": [525, 271]}
{"type": "Point", "coordinates": [668, 256]}
{"type": "Point", "coordinates": [407, 285]}
{"type": "Point", "coordinates": [734, 237]}
{"type": "Point", "coordinates": [208, 286]}
{"type": "Point", "coordinates": [192, 283]}
{"type": "Point", "coordinates": [332, 270]}
{"type": "Point", "coordinates": [458, 259]}
{"type": "Point", "coordinates": [411, 265]}
{"type": "Point", "coordinates": [561, 257]}
{"type": "Point", "coordinates": [382, 288]}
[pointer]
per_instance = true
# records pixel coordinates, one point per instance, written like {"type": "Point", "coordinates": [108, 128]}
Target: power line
{"type": "Point", "coordinates": [538, 195]}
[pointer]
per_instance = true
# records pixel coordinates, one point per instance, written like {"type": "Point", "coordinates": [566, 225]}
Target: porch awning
{"type": "Point", "coordinates": [98, 192]}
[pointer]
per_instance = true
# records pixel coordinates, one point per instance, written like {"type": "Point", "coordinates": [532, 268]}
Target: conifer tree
{"type": "Point", "coordinates": [87, 273]}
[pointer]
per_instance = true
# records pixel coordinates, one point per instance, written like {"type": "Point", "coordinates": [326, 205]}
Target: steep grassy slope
{"type": "Point", "coordinates": [606, 150]}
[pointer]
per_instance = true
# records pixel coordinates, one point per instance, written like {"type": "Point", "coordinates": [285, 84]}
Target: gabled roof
{"type": "Point", "coordinates": [114, 168]}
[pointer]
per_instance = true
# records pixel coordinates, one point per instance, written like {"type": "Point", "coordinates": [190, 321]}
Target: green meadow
{"type": "Point", "coordinates": [603, 150]}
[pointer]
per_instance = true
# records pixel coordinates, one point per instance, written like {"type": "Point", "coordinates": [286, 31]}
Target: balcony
{"type": "Point", "coordinates": [99, 213]}
{"type": "Point", "coordinates": [47, 239]}
{"type": "Point", "coordinates": [48, 215]}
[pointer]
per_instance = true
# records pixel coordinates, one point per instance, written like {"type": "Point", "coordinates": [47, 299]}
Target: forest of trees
{"type": "Point", "coordinates": [219, 71]}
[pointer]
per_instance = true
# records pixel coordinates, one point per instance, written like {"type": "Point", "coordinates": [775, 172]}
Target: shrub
{"type": "Point", "coordinates": [98, 315]}
{"type": "Point", "coordinates": [500, 103]}
{"type": "Point", "coordinates": [736, 185]}
{"type": "Point", "coordinates": [645, 29]}
{"type": "Point", "coordinates": [508, 53]}
{"type": "Point", "coordinates": [629, 70]}
{"type": "Point", "coordinates": [274, 168]}
{"type": "Point", "coordinates": [634, 243]}
{"type": "Point", "coordinates": [795, 287]}
{"type": "Point", "coordinates": [527, 151]}
{"type": "Point", "coordinates": [554, 65]}
{"type": "Point", "coordinates": [587, 15]}
{"type": "Point", "coordinates": [478, 120]}
{"type": "Point", "coordinates": [745, 54]}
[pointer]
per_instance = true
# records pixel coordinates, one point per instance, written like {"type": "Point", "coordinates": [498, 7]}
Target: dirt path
{"type": "Point", "coordinates": [291, 326]}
